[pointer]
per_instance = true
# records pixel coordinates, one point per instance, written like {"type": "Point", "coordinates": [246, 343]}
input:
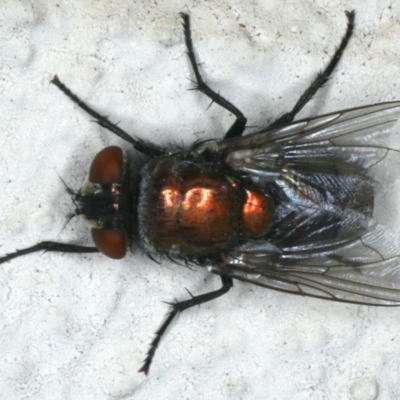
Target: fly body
{"type": "Point", "coordinates": [288, 207]}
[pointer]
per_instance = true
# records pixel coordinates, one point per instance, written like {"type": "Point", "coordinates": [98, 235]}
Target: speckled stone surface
{"type": "Point", "coordinates": [78, 326]}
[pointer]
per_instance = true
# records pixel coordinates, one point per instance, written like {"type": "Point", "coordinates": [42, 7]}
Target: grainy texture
{"type": "Point", "coordinates": [78, 326]}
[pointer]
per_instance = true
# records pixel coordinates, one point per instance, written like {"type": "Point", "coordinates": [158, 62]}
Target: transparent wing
{"type": "Point", "coordinates": [363, 270]}
{"type": "Point", "coordinates": [349, 141]}
{"type": "Point", "coordinates": [325, 243]}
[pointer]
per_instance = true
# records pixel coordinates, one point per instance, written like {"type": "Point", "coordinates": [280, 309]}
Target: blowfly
{"type": "Point", "coordinates": [287, 208]}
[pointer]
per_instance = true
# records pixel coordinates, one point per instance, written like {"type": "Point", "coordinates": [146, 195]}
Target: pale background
{"type": "Point", "coordinates": [78, 326]}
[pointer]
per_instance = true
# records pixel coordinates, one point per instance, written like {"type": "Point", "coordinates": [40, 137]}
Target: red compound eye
{"type": "Point", "coordinates": [107, 167]}
{"type": "Point", "coordinates": [110, 242]}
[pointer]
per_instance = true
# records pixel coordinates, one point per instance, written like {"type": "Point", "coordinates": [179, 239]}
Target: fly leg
{"type": "Point", "coordinates": [322, 77]}
{"type": "Point", "coordinates": [49, 246]}
{"type": "Point", "coordinates": [227, 283]}
{"type": "Point", "coordinates": [239, 125]}
{"type": "Point", "coordinates": [146, 148]}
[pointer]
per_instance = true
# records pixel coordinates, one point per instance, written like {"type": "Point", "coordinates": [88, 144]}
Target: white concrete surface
{"type": "Point", "coordinates": [78, 326]}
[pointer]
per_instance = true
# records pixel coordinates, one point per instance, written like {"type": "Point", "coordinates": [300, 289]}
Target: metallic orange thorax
{"type": "Point", "coordinates": [187, 209]}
